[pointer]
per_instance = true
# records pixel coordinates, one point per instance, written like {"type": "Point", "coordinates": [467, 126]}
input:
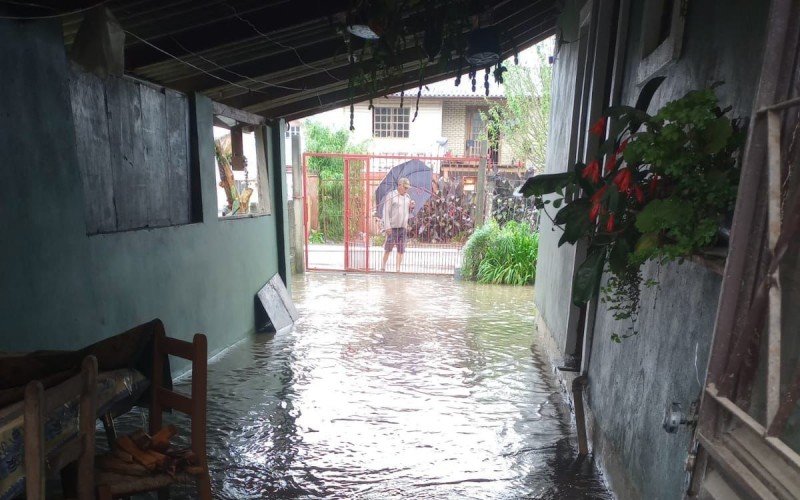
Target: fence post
{"type": "Point", "coordinates": [480, 203]}
{"type": "Point", "coordinates": [298, 240]}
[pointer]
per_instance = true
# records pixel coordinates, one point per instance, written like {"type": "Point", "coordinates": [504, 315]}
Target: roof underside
{"type": "Point", "coordinates": [282, 58]}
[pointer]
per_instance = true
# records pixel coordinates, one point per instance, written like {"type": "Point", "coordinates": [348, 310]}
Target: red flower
{"type": "Point", "coordinates": [592, 172]}
{"type": "Point", "coordinates": [594, 212]}
{"type": "Point", "coordinates": [611, 164]}
{"type": "Point", "coordinates": [598, 195]}
{"type": "Point", "coordinates": [622, 146]}
{"type": "Point", "coordinates": [610, 222]}
{"type": "Point", "coordinates": [623, 180]}
{"type": "Point", "coordinates": [599, 126]}
{"type": "Point", "coordinates": [639, 194]}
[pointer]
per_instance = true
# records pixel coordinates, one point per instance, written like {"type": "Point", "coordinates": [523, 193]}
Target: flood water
{"type": "Point", "coordinates": [394, 387]}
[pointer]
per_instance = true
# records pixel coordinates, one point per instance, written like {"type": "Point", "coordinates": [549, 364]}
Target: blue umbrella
{"type": "Point", "coordinates": [415, 171]}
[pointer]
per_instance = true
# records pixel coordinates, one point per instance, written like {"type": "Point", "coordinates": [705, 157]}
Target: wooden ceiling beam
{"type": "Point", "coordinates": [301, 76]}
{"type": "Point", "coordinates": [322, 82]}
{"type": "Point", "coordinates": [227, 30]}
{"type": "Point", "coordinates": [259, 50]}
{"type": "Point", "coordinates": [341, 97]}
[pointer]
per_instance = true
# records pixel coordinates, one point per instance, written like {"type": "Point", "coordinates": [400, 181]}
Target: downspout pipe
{"type": "Point", "coordinates": [580, 382]}
{"type": "Point", "coordinates": [580, 415]}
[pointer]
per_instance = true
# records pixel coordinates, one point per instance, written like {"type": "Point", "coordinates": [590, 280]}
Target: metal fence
{"type": "Point", "coordinates": [342, 230]}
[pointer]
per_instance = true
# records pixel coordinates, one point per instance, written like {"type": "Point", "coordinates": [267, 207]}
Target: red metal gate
{"type": "Point", "coordinates": [355, 242]}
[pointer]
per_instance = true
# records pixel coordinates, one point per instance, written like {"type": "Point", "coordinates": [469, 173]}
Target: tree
{"type": "Point", "coordinates": [321, 139]}
{"type": "Point", "coordinates": [524, 119]}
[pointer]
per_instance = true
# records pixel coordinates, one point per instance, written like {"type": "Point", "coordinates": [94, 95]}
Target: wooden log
{"type": "Point", "coordinates": [127, 445]}
{"type": "Point", "coordinates": [123, 455]}
{"type": "Point", "coordinates": [140, 438]}
{"type": "Point", "coordinates": [160, 440]}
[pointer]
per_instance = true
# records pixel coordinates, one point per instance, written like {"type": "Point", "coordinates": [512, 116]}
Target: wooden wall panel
{"type": "Point", "coordinates": [89, 114]}
{"type": "Point", "coordinates": [177, 112]}
{"type": "Point", "coordinates": [133, 147]}
{"type": "Point", "coordinates": [125, 123]}
{"type": "Point", "coordinates": [155, 165]}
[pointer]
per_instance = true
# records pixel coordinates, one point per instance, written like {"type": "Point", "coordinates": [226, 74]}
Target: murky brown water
{"type": "Point", "coordinates": [394, 387]}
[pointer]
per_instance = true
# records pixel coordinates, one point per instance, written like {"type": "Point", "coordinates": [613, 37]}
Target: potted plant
{"type": "Point", "coordinates": [659, 189]}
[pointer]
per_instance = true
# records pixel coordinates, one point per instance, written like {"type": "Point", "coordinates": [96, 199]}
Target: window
{"type": "Point", "coordinates": [662, 35]}
{"type": "Point", "coordinates": [241, 165]}
{"type": "Point", "coordinates": [134, 154]}
{"type": "Point", "coordinates": [292, 130]}
{"type": "Point", "coordinates": [390, 122]}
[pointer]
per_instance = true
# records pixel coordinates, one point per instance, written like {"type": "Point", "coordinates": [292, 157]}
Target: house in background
{"type": "Point", "coordinates": [448, 122]}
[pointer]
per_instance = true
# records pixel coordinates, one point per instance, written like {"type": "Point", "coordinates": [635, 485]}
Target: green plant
{"type": "Point", "coordinates": [476, 247]}
{"type": "Point", "coordinates": [504, 255]}
{"type": "Point", "coordinates": [380, 60]}
{"type": "Point", "coordinates": [659, 189]}
{"type": "Point", "coordinates": [315, 237]}
{"type": "Point", "coordinates": [379, 239]}
{"type": "Point", "coordinates": [506, 206]}
{"type": "Point", "coordinates": [447, 214]}
{"type": "Point", "coordinates": [524, 119]}
{"type": "Point", "coordinates": [511, 257]}
{"type": "Point", "coordinates": [330, 169]}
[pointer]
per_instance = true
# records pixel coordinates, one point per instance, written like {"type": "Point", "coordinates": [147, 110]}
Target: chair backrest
{"type": "Point", "coordinates": [39, 403]}
{"type": "Point", "coordinates": [194, 405]}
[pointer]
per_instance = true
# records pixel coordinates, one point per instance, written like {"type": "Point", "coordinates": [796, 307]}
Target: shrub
{"type": "Point", "coordinates": [507, 207]}
{"type": "Point", "coordinates": [476, 247]}
{"type": "Point", "coordinates": [511, 257]}
{"type": "Point", "coordinates": [504, 255]}
{"type": "Point", "coordinates": [446, 216]}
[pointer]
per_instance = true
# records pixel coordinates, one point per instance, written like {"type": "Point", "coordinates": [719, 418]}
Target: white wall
{"type": "Point", "coordinates": [422, 135]}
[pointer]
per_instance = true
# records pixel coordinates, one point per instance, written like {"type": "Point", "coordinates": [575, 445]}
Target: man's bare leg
{"type": "Point", "coordinates": [385, 258]}
{"type": "Point", "coordinates": [399, 261]}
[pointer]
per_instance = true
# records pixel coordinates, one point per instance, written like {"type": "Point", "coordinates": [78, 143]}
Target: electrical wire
{"type": "Point", "coordinates": [49, 16]}
{"type": "Point", "coordinates": [224, 68]}
{"type": "Point", "coordinates": [187, 63]}
{"type": "Point", "coordinates": [279, 44]}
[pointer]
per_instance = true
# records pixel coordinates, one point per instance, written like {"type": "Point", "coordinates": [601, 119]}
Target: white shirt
{"type": "Point", "coordinates": [395, 210]}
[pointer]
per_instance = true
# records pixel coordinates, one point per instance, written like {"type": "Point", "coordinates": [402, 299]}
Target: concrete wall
{"type": "Point", "coordinates": [554, 265]}
{"type": "Point", "coordinates": [62, 289]}
{"type": "Point", "coordinates": [422, 133]}
{"type": "Point", "coordinates": [631, 384]}
{"type": "Point", "coordinates": [438, 117]}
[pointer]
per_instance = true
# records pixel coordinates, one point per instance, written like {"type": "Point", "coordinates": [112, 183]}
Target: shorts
{"type": "Point", "coordinates": [396, 236]}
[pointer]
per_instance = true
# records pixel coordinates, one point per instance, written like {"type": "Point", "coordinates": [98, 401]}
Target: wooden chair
{"type": "Point", "coordinates": [39, 403]}
{"type": "Point", "coordinates": [113, 484]}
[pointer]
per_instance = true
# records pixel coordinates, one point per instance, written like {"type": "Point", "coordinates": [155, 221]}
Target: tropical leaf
{"type": "Point", "coordinates": [587, 279]}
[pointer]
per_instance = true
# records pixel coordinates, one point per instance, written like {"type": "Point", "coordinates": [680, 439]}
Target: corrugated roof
{"type": "Point", "coordinates": [284, 58]}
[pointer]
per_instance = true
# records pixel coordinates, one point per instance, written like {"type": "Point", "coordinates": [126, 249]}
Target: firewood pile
{"type": "Point", "coordinates": [139, 454]}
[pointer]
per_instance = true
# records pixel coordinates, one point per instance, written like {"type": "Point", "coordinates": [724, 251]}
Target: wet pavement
{"type": "Point", "coordinates": [393, 386]}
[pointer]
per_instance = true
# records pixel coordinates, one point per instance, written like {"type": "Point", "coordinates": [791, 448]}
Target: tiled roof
{"type": "Point", "coordinates": [447, 88]}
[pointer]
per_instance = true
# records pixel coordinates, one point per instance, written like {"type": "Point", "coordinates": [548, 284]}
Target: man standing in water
{"type": "Point", "coordinates": [396, 208]}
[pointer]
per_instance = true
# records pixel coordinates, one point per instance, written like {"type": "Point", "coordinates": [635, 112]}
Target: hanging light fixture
{"type": "Point", "coordinates": [368, 21]}
{"type": "Point", "coordinates": [483, 47]}
{"type": "Point", "coordinates": [362, 31]}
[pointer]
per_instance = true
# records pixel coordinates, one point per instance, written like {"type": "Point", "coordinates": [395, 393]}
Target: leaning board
{"type": "Point", "coordinates": [276, 302]}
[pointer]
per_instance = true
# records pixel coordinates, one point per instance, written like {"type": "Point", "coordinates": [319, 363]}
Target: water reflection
{"type": "Point", "coordinates": [393, 387]}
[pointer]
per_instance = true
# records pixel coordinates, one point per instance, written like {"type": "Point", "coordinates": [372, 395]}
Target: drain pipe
{"type": "Point", "coordinates": [580, 416]}
{"type": "Point", "coordinates": [580, 382]}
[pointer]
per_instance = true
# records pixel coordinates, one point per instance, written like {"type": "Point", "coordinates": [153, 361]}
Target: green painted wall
{"type": "Point", "coordinates": [61, 289]}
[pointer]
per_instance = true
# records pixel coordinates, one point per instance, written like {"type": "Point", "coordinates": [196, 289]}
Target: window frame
{"type": "Point", "coordinates": [228, 117]}
{"type": "Point", "coordinates": [395, 128]}
{"type": "Point", "coordinates": [654, 59]}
